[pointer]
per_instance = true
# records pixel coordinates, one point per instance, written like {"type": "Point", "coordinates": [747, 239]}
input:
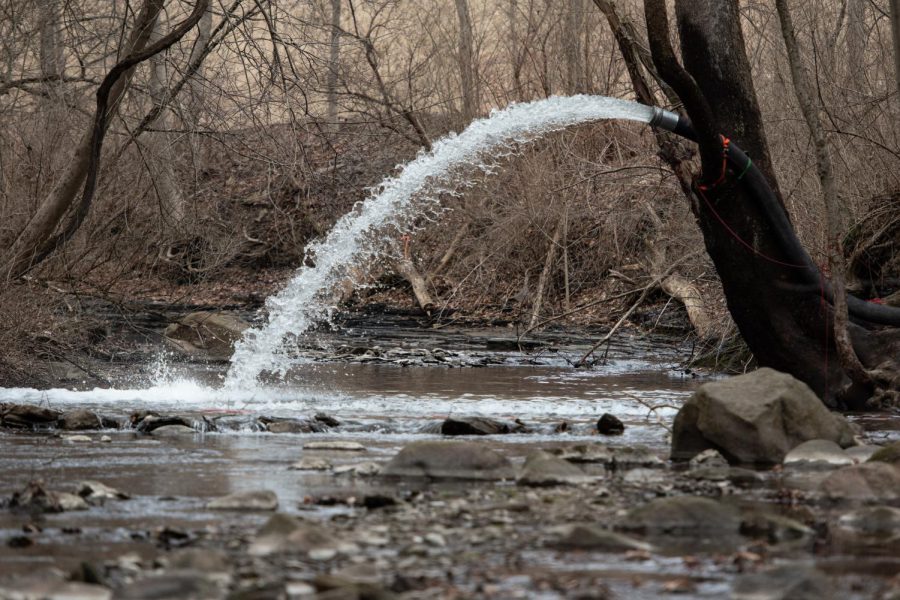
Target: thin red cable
{"type": "Point", "coordinates": [701, 188]}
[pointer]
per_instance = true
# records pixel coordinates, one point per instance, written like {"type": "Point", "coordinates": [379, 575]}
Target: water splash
{"type": "Point", "coordinates": [358, 237]}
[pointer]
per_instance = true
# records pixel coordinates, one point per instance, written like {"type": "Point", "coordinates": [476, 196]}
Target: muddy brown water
{"type": "Point", "coordinates": [381, 406]}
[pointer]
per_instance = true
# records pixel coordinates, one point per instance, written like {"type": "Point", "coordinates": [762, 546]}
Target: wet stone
{"type": "Point", "coordinates": [284, 533]}
{"type": "Point", "coordinates": [53, 590]}
{"type": "Point", "coordinates": [81, 419]}
{"type": "Point", "coordinates": [860, 454]}
{"type": "Point", "coordinates": [173, 584]}
{"type": "Point", "coordinates": [77, 439]}
{"type": "Point", "coordinates": [788, 582]}
{"type": "Point", "coordinates": [609, 424]}
{"type": "Point", "coordinates": [755, 418]}
{"type": "Point", "coordinates": [337, 445]}
{"type": "Point", "coordinates": [366, 469]}
{"type": "Point", "coordinates": [708, 458]}
{"type": "Point", "coordinates": [817, 454]}
{"type": "Point", "coordinates": [173, 431]}
{"type": "Point", "coordinates": [776, 529]}
{"type": "Point", "coordinates": [874, 529]}
{"type": "Point", "coordinates": [292, 426]}
{"type": "Point", "coordinates": [308, 463]}
{"type": "Point", "coordinates": [449, 460]}
{"type": "Point", "coordinates": [889, 454]}
{"type": "Point", "coordinates": [97, 493]}
{"type": "Point", "coordinates": [866, 482]}
{"type": "Point", "coordinates": [543, 469]}
{"type": "Point", "coordinates": [27, 416]}
{"type": "Point", "coordinates": [594, 538]}
{"type": "Point", "coordinates": [36, 498]}
{"type": "Point", "coordinates": [479, 426]}
{"type": "Point", "coordinates": [251, 501]}
{"type": "Point", "coordinates": [683, 515]}
{"type": "Point", "coordinates": [205, 560]}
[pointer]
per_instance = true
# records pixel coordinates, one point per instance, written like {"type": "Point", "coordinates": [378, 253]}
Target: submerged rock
{"type": "Point", "coordinates": [610, 425]}
{"type": "Point", "coordinates": [449, 460]}
{"type": "Point", "coordinates": [613, 457]}
{"type": "Point", "coordinates": [543, 469]}
{"type": "Point", "coordinates": [867, 482]}
{"type": "Point", "coordinates": [284, 533]}
{"type": "Point", "coordinates": [872, 530]}
{"type": "Point", "coordinates": [308, 463]}
{"type": "Point", "coordinates": [172, 584]}
{"type": "Point", "coordinates": [593, 537]}
{"type": "Point", "coordinates": [335, 445]}
{"type": "Point", "coordinates": [252, 500]}
{"type": "Point", "coordinates": [755, 418]}
{"type": "Point", "coordinates": [708, 458]}
{"type": "Point", "coordinates": [683, 515]}
{"type": "Point", "coordinates": [817, 454]}
{"type": "Point", "coordinates": [36, 498]}
{"type": "Point", "coordinates": [788, 582]}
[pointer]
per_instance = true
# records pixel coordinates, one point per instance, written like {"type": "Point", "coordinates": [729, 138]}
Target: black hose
{"type": "Point", "coordinates": [756, 183]}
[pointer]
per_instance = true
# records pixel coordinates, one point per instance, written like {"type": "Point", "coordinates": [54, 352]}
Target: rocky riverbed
{"type": "Point", "coordinates": [501, 482]}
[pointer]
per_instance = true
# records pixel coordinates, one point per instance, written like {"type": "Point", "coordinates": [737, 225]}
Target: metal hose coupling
{"type": "Point", "coordinates": [664, 119]}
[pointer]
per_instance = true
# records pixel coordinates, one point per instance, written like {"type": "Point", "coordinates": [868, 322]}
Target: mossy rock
{"type": "Point", "coordinates": [888, 454]}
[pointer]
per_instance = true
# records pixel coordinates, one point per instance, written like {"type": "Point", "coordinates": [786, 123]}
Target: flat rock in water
{"type": "Point", "coordinates": [335, 445]}
{"type": "Point", "coordinates": [173, 431]}
{"type": "Point", "coordinates": [449, 460]}
{"type": "Point", "coordinates": [366, 469]}
{"type": "Point", "coordinates": [889, 454]}
{"type": "Point", "coordinates": [32, 589]}
{"type": "Point", "coordinates": [817, 454]}
{"type": "Point", "coordinates": [478, 426]}
{"type": "Point", "coordinates": [594, 538]}
{"type": "Point", "coordinates": [284, 533]}
{"type": "Point", "coordinates": [77, 439]}
{"type": "Point", "coordinates": [543, 469]}
{"type": "Point", "coordinates": [585, 453]}
{"type": "Point", "coordinates": [205, 560]}
{"type": "Point", "coordinates": [867, 482]}
{"type": "Point", "coordinates": [308, 463]}
{"type": "Point", "coordinates": [755, 418]}
{"type": "Point", "coordinates": [81, 419]}
{"type": "Point", "coordinates": [94, 491]}
{"type": "Point", "coordinates": [36, 498]}
{"type": "Point", "coordinates": [874, 529]}
{"type": "Point", "coordinates": [173, 584]}
{"type": "Point", "coordinates": [252, 500]}
{"type": "Point", "coordinates": [683, 515]}
{"type": "Point", "coordinates": [788, 582]}
{"type": "Point", "coordinates": [27, 416]}
{"type": "Point", "coordinates": [293, 426]}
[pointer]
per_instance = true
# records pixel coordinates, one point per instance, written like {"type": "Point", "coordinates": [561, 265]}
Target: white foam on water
{"type": "Point", "coordinates": [359, 236]}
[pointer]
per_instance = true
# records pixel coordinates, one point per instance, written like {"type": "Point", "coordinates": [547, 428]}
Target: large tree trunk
{"type": "Point", "coordinates": [785, 320]}
{"type": "Point", "coordinates": [572, 32]}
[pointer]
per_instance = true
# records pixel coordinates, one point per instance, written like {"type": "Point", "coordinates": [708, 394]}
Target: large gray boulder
{"type": "Point", "coordinates": [755, 418]}
{"type": "Point", "coordinates": [206, 335]}
{"type": "Point", "coordinates": [449, 460]}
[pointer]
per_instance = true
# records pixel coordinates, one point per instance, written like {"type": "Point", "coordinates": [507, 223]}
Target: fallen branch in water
{"type": "Point", "coordinates": [646, 290]}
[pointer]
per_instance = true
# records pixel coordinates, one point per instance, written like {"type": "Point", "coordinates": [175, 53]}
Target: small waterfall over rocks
{"type": "Point", "coordinates": [366, 232]}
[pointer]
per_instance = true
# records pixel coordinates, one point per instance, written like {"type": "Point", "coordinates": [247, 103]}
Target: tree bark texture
{"type": "Point", "coordinates": [467, 61]}
{"type": "Point", "coordinates": [895, 35]}
{"type": "Point", "coordinates": [785, 320]}
{"type": "Point", "coordinates": [334, 57]}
